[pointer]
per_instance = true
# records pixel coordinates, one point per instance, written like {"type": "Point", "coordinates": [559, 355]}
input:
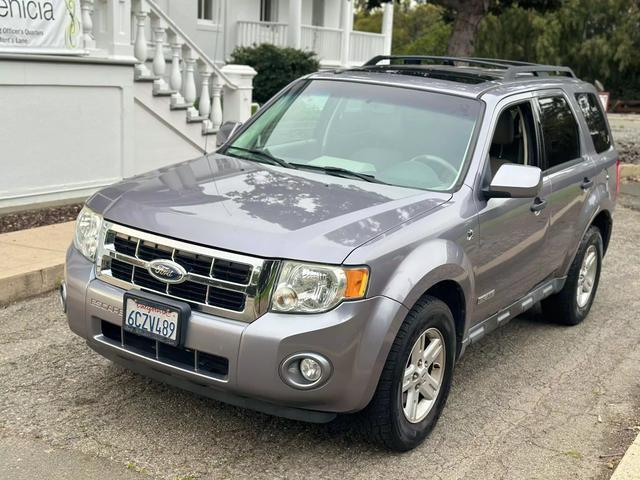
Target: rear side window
{"type": "Point", "coordinates": [594, 116]}
{"type": "Point", "coordinates": [559, 131]}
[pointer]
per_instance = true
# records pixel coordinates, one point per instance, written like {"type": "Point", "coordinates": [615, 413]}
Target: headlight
{"type": "Point", "coordinates": [87, 233]}
{"type": "Point", "coordinates": [311, 288]}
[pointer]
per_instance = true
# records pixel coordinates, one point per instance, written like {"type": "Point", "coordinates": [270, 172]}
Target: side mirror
{"type": "Point", "coordinates": [515, 181]}
{"type": "Point", "coordinates": [226, 131]}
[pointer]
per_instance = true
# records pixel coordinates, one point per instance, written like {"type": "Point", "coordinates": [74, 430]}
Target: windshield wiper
{"type": "Point", "coordinates": [264, 155]}
{"type": "Point", "coordinates": [341, 172]}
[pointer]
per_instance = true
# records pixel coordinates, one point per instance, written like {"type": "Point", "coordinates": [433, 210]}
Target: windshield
{"type": "Point", "coordinates": [380, 133]}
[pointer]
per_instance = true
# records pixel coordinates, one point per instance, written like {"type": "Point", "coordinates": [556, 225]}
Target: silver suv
{"type": "Point", "coordinates": [340, 250]}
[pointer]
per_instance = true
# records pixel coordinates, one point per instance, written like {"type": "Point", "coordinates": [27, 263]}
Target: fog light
{"type": "Point", "coordinates": [305, 370]}
{"type": "Point", "coordinates": [310, 369]}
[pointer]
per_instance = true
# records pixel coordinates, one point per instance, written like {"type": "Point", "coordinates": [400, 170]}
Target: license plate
{"type": "Point", "coordinates": [152, 319]}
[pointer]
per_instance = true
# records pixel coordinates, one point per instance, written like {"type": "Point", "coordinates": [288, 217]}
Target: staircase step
{"type": "Point", "coordinates": [166, 93]}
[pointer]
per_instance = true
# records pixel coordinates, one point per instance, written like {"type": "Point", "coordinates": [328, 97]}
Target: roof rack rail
{"type": "Point", "coordinates": [416, 59]}
{"type": "Point", "coordinates": [514, 72]}
{"type": "Point", "coordinates": [512, 69]}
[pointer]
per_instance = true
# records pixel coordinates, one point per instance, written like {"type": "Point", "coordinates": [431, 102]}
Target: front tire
{"type": "Point", "coordinates": [571, 305]}
{"type": "Point", "coordinates": [416, 378]}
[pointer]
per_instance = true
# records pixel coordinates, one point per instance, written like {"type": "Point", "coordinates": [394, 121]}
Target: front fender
{"type": "Point", "coordinates": [405, 275]}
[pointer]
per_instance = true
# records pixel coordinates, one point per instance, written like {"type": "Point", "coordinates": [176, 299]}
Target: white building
{"type": "Point", "coordinates": [124, 102]}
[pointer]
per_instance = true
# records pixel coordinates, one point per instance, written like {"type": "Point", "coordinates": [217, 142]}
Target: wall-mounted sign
{"type": "Point", "coordinates": [40, 26]}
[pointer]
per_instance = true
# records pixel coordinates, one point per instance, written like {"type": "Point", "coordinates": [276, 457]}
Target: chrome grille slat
{"type": "Point", "coordinates": [239, 301]}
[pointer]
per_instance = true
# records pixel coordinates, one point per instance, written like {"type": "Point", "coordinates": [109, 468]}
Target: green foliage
{"type": "Point", "coordinates": [276, 67]}
{"type": "Point", "coordinates": [419, 29]}
{"type": "Point", "coordinates": [599, 40]}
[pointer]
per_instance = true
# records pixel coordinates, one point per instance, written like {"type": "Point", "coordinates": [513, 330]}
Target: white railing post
{"type": "Point", "coordinates": [215, 119]}
{"type": "Point", "coordinates": [189, 88]}
{"type": "Point", "coordinates": [140, 45]}
{"type": "Point", "coordinates": [347, 27]}
{"type": "Point", "coordinates": [87, 25]}
{"type": "Point", "coordinates": [237, 102]}
{"type": "Point", "coordinates": [175, 77]}
{"type": "Point", "coordinates": [204, 102]}
{"type": "Point", "coordinates": [159, 64]}
{"type": "Point", "coordinates": [387, 27]}
{"type": "Point", "coordinates": [114, 36]}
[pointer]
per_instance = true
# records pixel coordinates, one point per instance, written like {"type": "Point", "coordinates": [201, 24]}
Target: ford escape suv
{"type": "Point", "coordinates": [340, 250]}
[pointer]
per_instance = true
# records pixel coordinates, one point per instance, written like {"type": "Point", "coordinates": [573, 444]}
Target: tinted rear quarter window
{"type": "Point", "coordinates": [593, 114]}
{"type": "Point", "coordinates": [559, 131]}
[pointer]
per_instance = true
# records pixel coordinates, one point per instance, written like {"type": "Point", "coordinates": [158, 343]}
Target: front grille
{"type": "Point", "coordinates": [185, 358]}
{"type": "Point", "coordinates": [217, 282]}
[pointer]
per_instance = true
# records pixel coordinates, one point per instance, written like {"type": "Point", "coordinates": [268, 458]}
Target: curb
{"type": "Point", "coordinates": [30, 284]}
{"type": "Point", "coordinates": [629, 466]}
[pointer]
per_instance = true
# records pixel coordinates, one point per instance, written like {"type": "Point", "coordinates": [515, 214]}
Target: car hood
{"type": "Point", "coordinates": [259, 209]}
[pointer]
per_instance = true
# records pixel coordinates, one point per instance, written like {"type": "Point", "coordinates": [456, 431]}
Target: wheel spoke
{"type": "Point", "coordinates": [407, 381]}
{"type": "Point", "coordinates": [412, 403]}
{"type": "Point", "coordinates": [432, 351]}
{"type": "Point", "coordinates": [588, 263]}
{"type": "Point", "coordinates": [429, 388]}
{"type": "Point", "coordinates": [416, 353]}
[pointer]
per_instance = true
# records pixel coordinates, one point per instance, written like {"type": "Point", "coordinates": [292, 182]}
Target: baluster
{"type": "Point", "coordinates": [87, 24]}
{"type": "Point", "coordinates": [160, 85]}
{"type": "Point", "coordinates": [204, 102]}
{"type": "Point", "coordinates": [216, 105]}
{"type": "Point", "coordinates": [175, 77]}
{"type": "Point", "coordinates": [189, 88]}
{"type": "Point", "coordinates": [140, 46]}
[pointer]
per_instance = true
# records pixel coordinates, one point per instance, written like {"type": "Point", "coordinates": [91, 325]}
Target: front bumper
{"type": "Point", "coordinates": [355, 337]}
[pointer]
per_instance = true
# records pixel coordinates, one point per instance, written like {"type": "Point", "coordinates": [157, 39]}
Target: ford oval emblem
{"type": "Point", "coordinates": [167, 271]}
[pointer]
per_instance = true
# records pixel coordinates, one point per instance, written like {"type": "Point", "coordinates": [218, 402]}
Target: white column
{"type": "Point", "coordinates": [237, 102]}
{"type": "Point", "coordinates": [189, 87]}
{"type": "Point", "coordinates": [204, 104]}
{"type": "Point", "coordinates": [216, 104]}
{"type": "Point", "coordinates": [175, 77]}
{"type": "Point", "coordinates": [87, 24]}
{"type": "Point", "coordinates": [347, 27]}
{"type": "Point", "coordinates": [160, 85]}
{"type": "Point", "coordinates": [295, 22]}
{"type": "Point", "coordinates": [140, 46]}
{"type": "Point", "coordinates": [116, 40]}
{"type": "Point", "coordinates": [387, 27]}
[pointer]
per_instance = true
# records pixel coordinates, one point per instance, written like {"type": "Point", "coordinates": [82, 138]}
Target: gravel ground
{"type": "Point", "coordinates": [531, 401]}
{"type": "Point", "coordinates": [11, 222]}
{"type": "Point", "coordinates": [626, 134]}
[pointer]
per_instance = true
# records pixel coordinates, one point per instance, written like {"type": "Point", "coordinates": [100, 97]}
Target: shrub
{"type": "Point", "coordinates": [276, 67]}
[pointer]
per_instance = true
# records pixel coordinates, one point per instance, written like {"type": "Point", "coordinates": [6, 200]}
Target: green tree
{"type": "Point", "coordinates": [599, 40]}
{"type": "Point", "coordinates": [417, 29]}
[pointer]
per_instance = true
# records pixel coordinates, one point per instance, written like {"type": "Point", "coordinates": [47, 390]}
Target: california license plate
{"type": "Point", "coordinates": [152, 319]}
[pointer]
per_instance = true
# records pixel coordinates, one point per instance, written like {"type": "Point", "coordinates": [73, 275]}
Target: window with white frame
{"type": "Point", "coordinates": [268, 10]}
{"type": "Point", "coordinates": [208, 10]}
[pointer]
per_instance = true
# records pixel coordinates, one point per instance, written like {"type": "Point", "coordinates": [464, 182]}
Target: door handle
{"type": "Point", "coordinates": [587, 183]}
{"type": "Point", "coordinates": [538, 205]}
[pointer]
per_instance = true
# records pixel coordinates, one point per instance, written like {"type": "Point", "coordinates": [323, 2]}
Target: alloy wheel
{"type": "Point", "coordinates": [423, 375]}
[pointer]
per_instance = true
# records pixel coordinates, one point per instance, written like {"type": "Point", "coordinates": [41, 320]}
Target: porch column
{"type": "Point", "coordinates": [118, 23]}
{"type": "Point", "coordinates": [387, 27]}
{"type": "Point", "coordinates": [295, 21]}
{"type": "Point", "coordinates": [347, 27]}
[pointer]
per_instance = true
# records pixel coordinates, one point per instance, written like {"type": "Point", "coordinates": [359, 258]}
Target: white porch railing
{"type": "Point", "coordinates": [179, 67]}
{"type": "Point", "coordinates": [325, 42]}
{"type": "Point", "coordinates": [255, 33]}
{"type": "Point", "coordinates": [365, 45]}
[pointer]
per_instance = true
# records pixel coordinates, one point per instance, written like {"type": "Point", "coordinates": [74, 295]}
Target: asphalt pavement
{"type": "Point", "coordinates": [532, 400]}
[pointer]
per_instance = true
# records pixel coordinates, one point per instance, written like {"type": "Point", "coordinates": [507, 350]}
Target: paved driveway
{"type": "Point", "coordinates": [532, 400]}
